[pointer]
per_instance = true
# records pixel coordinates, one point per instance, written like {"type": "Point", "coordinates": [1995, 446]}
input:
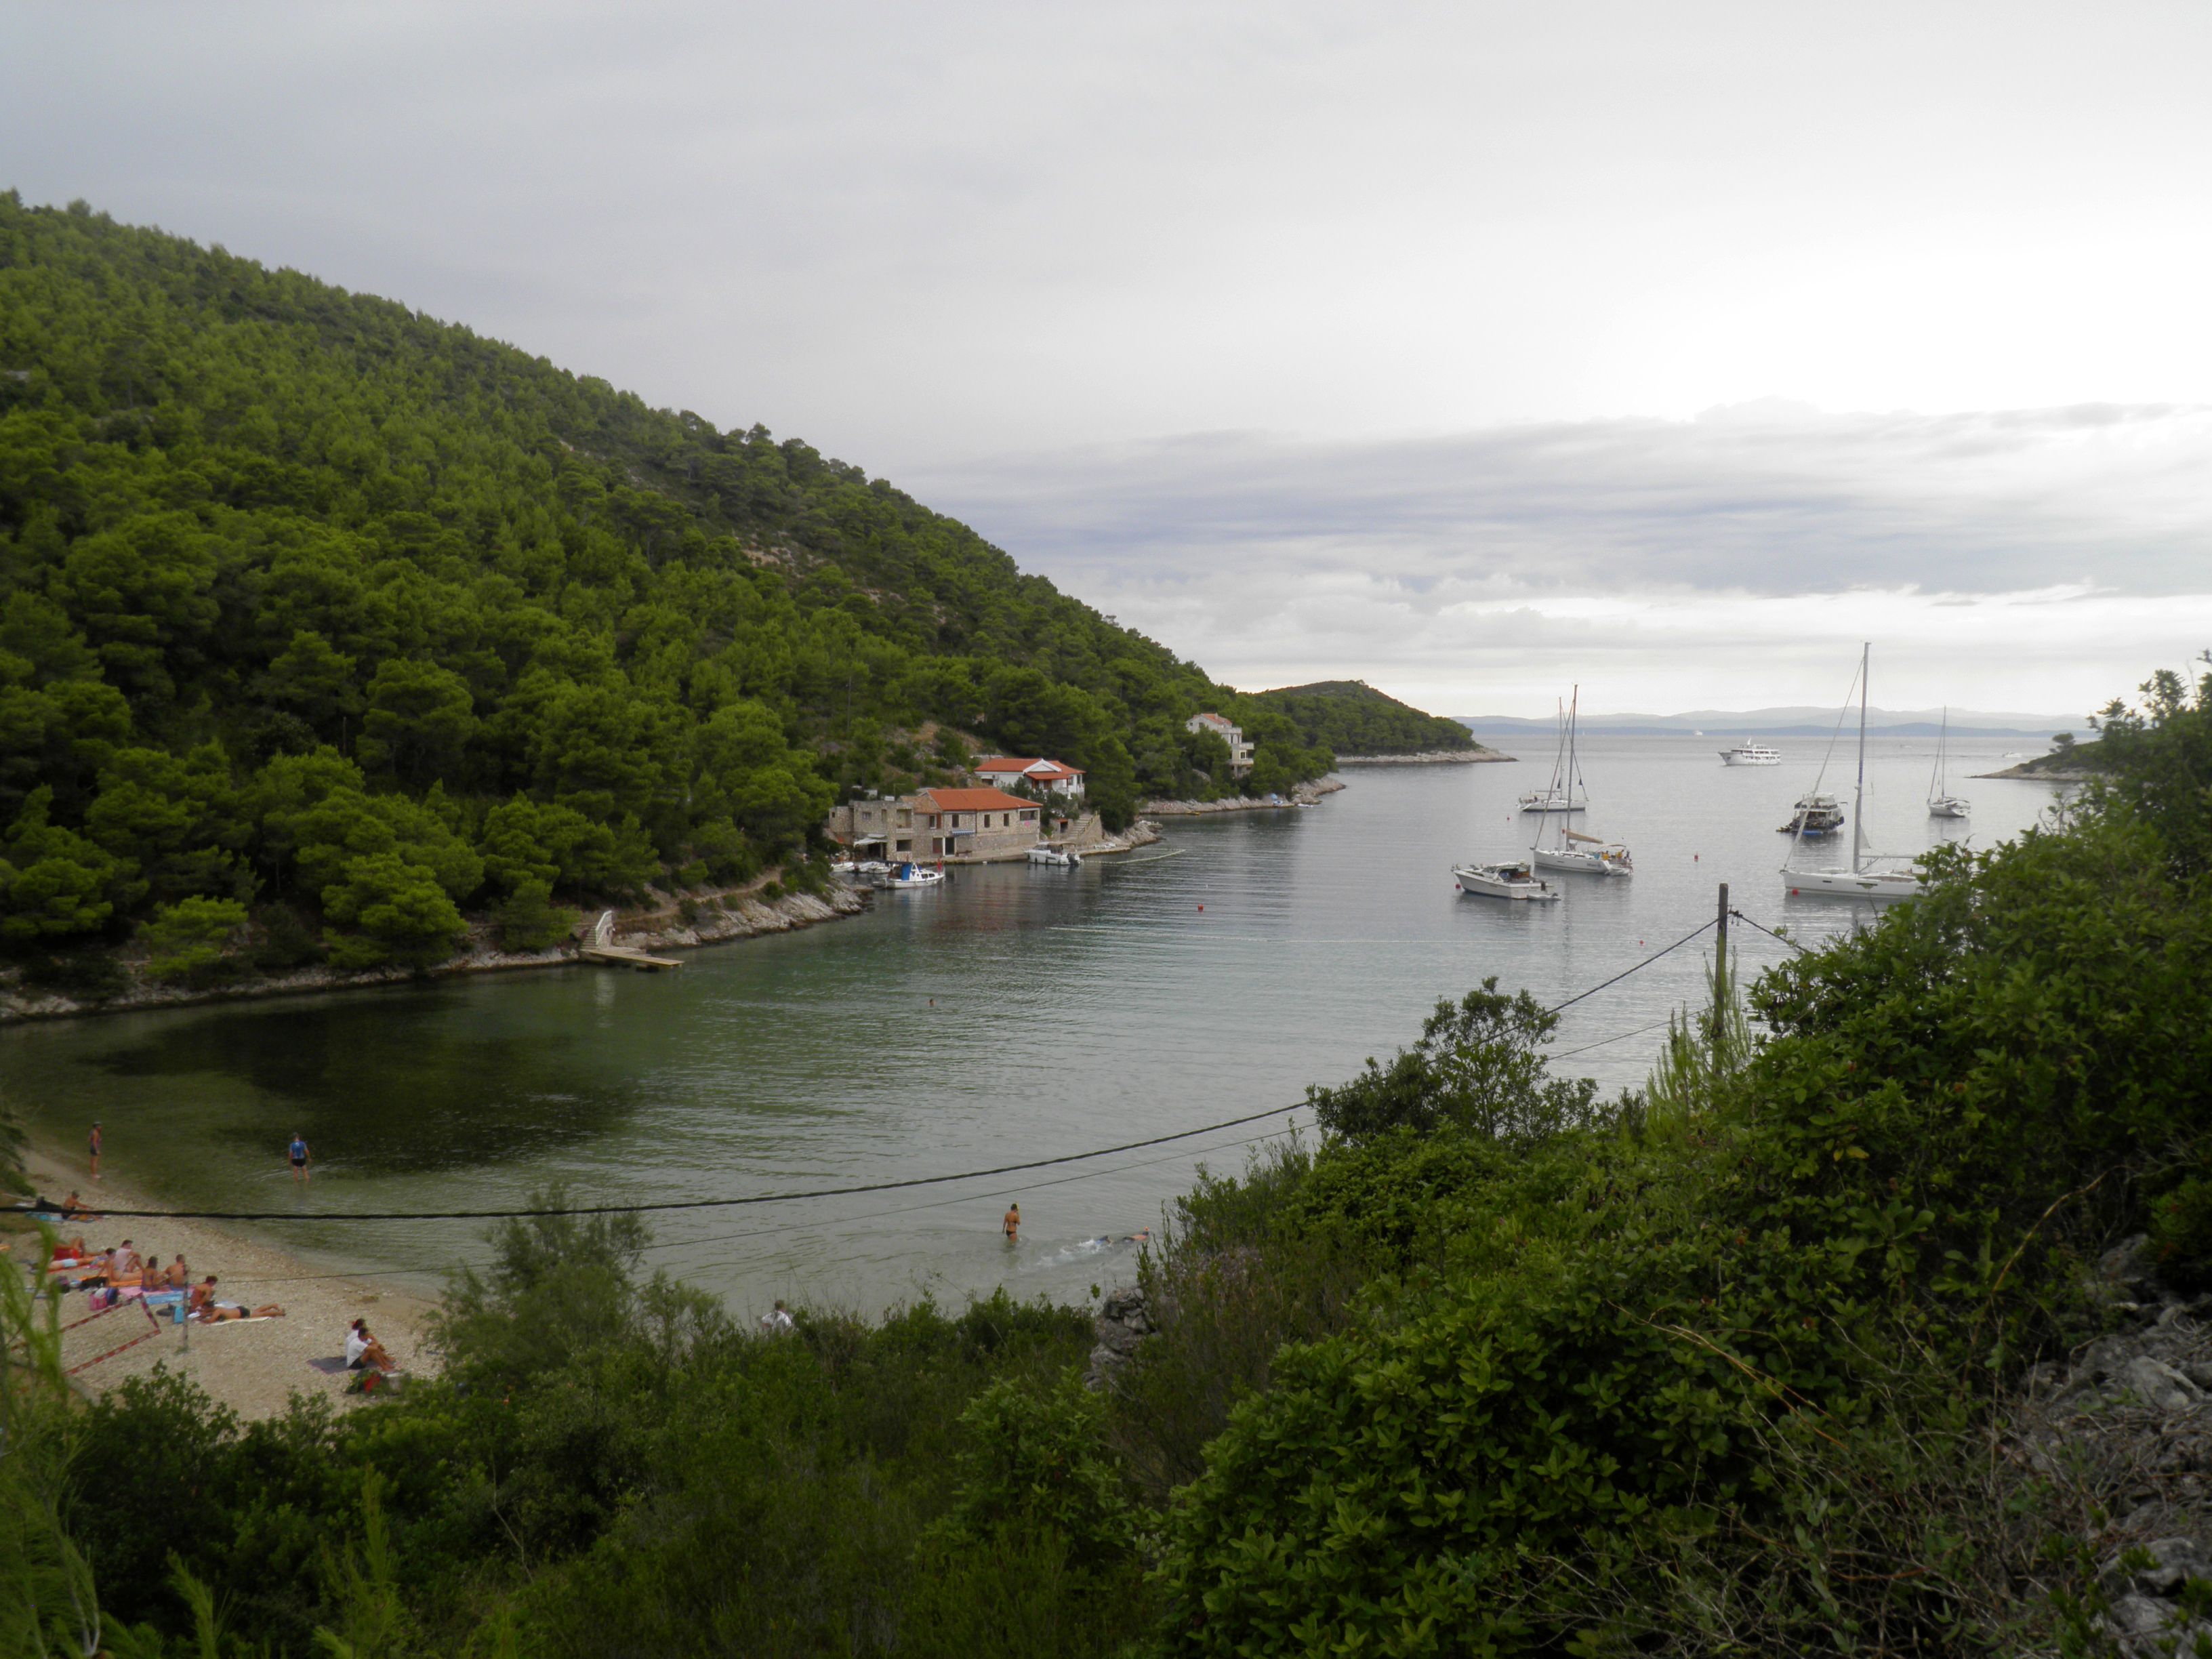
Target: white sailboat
{"type": "Point", "coordinates": [1570, 850]}
{"type": "Point", "coordinates": [1941, 803]}
{"type": "Point", "coordinates": [1866, 878]}
{"type": "Point", "coordinates": [1559, 795]}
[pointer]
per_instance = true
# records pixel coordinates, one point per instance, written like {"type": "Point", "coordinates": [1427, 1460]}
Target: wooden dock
{"type": "Point", "coordinates": [616, 956]}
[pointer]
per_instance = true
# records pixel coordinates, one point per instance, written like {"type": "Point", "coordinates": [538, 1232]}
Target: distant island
{"type": "Point", "coordinates": [1357, 723]}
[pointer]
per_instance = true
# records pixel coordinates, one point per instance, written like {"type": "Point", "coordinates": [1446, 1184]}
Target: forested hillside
{"type": "Point", "coordinates": [315, 608]}
{"type": "Point", "coordinates": [1351, 717]}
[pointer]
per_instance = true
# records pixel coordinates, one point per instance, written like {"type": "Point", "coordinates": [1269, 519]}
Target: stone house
{"type": "Point", "coordinates": [979, 823]}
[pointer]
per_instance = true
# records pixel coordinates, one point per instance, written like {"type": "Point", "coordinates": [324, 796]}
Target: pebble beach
{"type": "Point", "coordinates": [254, 1366]}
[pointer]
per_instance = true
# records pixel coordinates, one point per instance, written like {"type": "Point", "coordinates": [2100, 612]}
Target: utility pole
{"type": "Point", "coordinates": [1720, 970]}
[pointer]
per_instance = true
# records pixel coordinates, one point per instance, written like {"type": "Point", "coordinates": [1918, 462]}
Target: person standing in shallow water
{"type": "Point", "coordinates": [1013, 1222]}
{"type": "Point", "coordinates": [92, 1146]}
{"type": "Point", "coordinates": [300, 1156]}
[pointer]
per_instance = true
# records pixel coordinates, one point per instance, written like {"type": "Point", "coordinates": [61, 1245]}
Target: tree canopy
{"type": "Point", "coordinates": [309, 601]}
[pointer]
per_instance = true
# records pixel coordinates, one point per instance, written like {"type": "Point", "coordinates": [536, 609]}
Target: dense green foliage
{"type": "Point", "coordinates": [1495, 1368]}
{"type": "Point", "coordinates": [1351, 717]}
{"type": "Point", "coordinates": [316, 605]}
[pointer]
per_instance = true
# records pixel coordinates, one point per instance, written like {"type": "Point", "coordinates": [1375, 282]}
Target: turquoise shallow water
{"type": "Point", "coordinates": [1016, 1013]}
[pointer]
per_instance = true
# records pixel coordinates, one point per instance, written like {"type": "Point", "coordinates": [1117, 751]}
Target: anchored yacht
{"type": "Point", "coordinates": [1748, 753]}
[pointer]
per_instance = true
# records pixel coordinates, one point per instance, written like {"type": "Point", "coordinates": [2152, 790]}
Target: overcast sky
{"type": "Point", "coordinates": [1469, 350]}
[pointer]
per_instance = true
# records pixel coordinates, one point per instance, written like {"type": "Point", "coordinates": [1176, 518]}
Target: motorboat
{"type": "Point", "coordinates": [1870, 877]}
{"type": "Point", "coordinates": [1505, 881]}
{"type": "Point", "coordinates": [1941, 803]}
{"type": "Point", "coordinates": [1569, 850]}
{"type": "Point", "coordinates": [1748, 753]}
{"type": "Point", "coordinates": [1814, 817]}
{"type": "Point", "coordinates": [910, 874]}
{"type": "Point", "coordinates": [1057, 858]}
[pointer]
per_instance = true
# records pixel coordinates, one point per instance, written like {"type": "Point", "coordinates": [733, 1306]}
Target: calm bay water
{"type": "Point", "coordinates": [1016, 1013]}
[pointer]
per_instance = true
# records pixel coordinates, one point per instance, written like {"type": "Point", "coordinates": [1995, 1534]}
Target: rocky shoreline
{"type": "Point", "coordinates": [716, 919]}
{"type": "Point", "coordinates": [1304, 795]}
{"type": "Point", "coordinates": [1476, 756]}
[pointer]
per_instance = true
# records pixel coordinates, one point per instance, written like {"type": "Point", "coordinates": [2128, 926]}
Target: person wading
{"type": "Point", "coordinates": [92, 1146]}
{"type": "Point", "coordinates": [1013, 1222]}
{"type": "Point", "coordinates": [300, 1156]}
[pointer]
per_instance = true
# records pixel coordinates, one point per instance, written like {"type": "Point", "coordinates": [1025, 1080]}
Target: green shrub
{"type": "Point", "coordinates": [528, 919]}
{"type": "Point", "coordinates": [190, 940]}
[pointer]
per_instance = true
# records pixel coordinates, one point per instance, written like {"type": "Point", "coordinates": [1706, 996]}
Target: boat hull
{"type": "Point", "coordinates": [1882, 887]}
{"type": "Point", "coordinates": [1486, 881]}
{"type": "Point", "coordinates": [1582, 864]}
{"type": "Point", "coordinates": [1950, 806]}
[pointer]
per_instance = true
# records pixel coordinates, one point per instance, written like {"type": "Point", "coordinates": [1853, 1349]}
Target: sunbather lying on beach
{"type": "Point", "coordinates": [203, 1306]}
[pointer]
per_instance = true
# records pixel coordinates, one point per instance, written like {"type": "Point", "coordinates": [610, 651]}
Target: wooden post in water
{"type": "Point", "coordinates": [1720, 971]}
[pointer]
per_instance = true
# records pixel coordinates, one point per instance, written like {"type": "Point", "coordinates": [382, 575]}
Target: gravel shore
{"type": "Point", "coordinates": [253, 1367]}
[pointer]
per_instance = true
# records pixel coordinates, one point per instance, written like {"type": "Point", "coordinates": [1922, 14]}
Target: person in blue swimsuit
{"type": "Point", "coordinates": [300, 1156]}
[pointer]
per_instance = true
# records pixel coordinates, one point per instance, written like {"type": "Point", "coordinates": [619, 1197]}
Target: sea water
{"type": "Point", "coordinates": [1019, 1012]}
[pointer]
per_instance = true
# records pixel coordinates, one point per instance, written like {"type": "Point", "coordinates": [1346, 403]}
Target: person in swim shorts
{"type": "Point", "coordinates": [92, 1145]}
{"type": "Point", "coordinates": [300, 1156]}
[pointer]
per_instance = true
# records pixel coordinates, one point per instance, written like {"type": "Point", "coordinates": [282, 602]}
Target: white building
{"type": "Point", "coordinates": [1001, 770]}
{"type": "Point", "coordinates": [1240, 752]}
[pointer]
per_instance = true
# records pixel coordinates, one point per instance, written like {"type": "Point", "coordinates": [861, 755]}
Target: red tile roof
{"type": "Point", "coordinates": [1015, 763]}
{"type": "Point", "coordinates": [971, 800]}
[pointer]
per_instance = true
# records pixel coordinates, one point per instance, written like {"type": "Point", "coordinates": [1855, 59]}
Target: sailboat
{"type": "Point", "coordinates": [1865, 879]}
{"type": "Point", "coordinates": [1559, 795]}
{"type": "Point", "coordinates": [1941, 803]}
{"type": "Point", "coordinates": [1573, 851]}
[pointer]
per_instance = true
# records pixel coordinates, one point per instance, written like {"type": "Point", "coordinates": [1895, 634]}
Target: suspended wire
{"type": "Point", "coordinates": [1801, 950]}
{"type": "Point", "coordinates": [668, 1206]}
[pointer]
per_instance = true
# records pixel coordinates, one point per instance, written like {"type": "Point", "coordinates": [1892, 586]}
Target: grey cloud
{"type": "Point", "coordinates": [1768, 499]}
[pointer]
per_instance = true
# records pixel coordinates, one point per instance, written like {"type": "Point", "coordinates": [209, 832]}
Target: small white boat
{"type": "Point", "coordinates": [1505, 881]}
{"type": "Point", "coordinates": [1815, 817]}
{"type": "Point", "coordinates": [1748, 753]}
{"type": "Point", "coordinates": [1551, 800]}
{"type": "Point", "coordinates": [1865, 879]}
{"type": "Point", "coordinates": [1941, 803]}
{"type": "Point", "coordinates": [912, 875]}
{"type": "Point", "coordinates": [1058, 858]}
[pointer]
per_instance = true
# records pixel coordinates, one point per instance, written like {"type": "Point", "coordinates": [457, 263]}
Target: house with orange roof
{"type": "Point", "coordinates": [1005, 770]}
{"type": "Point", "coordinates": [979, 823]}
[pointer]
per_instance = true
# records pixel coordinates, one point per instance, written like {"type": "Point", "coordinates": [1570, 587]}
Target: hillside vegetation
{"type": "Point", "coordinates": [322, 622]}
{"type": "Point", "coordinates": [1726, 1366]}
{"type": "Point", "coordinates": [1351, 717]}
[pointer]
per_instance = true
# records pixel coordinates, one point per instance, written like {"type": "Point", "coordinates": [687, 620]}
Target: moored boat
{"type": "Point", "coordinates": [1748, 753]}
{"type": "Point", "coordinates": [1868, 878]}
{"type": "Point", "coordinates": [1814, 816]}
{"type": "Point", "coordinates": [1941, 803]}
{"type": "Point", "coordinates": [1505, 881]}
{"type": "Point", "coordinates": [910, 874]}
{"type": "Point", "coordinates": [1057, 858]}
{"type": "Point", "coordinates": [1570, 851]}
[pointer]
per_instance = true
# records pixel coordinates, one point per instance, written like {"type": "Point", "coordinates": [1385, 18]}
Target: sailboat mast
{"type": "Point", "coordinates": [1574, 766]}
{"type": "Point", "coordinates": [1858, 789]}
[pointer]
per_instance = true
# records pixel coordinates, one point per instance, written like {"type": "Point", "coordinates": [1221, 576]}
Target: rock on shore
{"type": "Point", "coordinates": [1304, 795]}
{"type": "Point", "coordinates": [717, 917]}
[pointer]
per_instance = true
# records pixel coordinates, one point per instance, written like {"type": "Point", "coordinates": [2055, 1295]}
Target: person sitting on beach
{"type": "Point", "coordinates": [364, 1351]}
{"type": "Point", "coordinates": [175, 1278]}
{"type": "Point", "coordinates": [127, 1265]}
{"type": "Point", "coordinates": [777, 1320]}
{"type": "Point", "coordinates": [73, 1207]}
